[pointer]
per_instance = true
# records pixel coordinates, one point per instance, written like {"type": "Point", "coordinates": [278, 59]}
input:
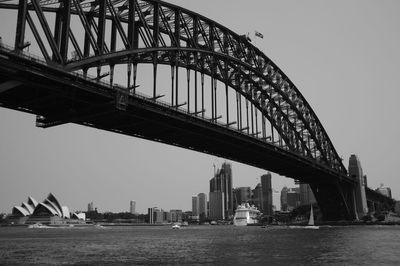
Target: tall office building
{"type": "Point", "coordinates": [132, 207]}
{"type": "Point", "coordinates": [355, 172]}
{"type": "Point", "coordinates": [195, 206]}
{"type": "Point", "coordinates": [90, 207]}
{"type": "Point", "coordinates": [202, 205]}
{"type": "Point", "coordinates": [256, 196]}
{"type": "Point", "coordinates": [222, 182]}
{"type": "Point", "coordinates": [266, 188]}
{"type": "Point", "coordinates": [293, 198]}
{"type": "Point", "coordinates": [241, 195]}
{"type": "Point", "coordinates": [284, 192]}
{"type": "Point", "coordinates": [217, 210]}
{"type": "Point", "coordinates": [306, 194]}
{"type": "Point", "coordinates": [150, 213]}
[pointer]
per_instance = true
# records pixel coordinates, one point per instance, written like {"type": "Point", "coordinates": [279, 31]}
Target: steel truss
{"type": "Point", "coordinates": [159, 33]}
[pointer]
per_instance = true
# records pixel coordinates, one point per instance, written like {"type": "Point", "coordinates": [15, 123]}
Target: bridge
{"type": "Point", "coordinates": [153, 70]}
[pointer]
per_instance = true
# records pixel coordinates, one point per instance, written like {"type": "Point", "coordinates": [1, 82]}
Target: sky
{"type": "Point", "coordinates": [343, 56]}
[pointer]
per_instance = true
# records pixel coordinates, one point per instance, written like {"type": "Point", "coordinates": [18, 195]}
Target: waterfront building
{"type": "Point", "coordinates": [256, 196]}
{"type": "Point", "coordinates": [241, 195]}
{"type": "Point", "coordinates": [79, 216]}
{"type": "Point", "coordinates": [167, 216]}
{"type": "Point", "coordinates": [306, 195]}
{"type": "Point", "coordinates": [132, 207]}
{"type": "Point", "coordinates": [195, 207]}
{"type": "Point", "coordinates": [384, 191]}
{"type": "Point", "coordinates": [26, 208]}
{"type": "Point", "coordinates": [355, 172]}
{"type": "Point", "coordinates": [284, 192]}
{"type": "Point", "coordinates": [150, 213]}
{"type": "Point", "coordinates": [397, 207]}
{"type": "Point", "coordinates": [202, 205]}
{"type": "Point", "coordinates": [217, 206]}
{"type": "Point", "coordinates": [90, 207]}
{"type": "Point", "coordinates": [158, 215]}
{"type": "Point", "coordinates": [50, 211]}
{"type": "Point", "coordinates": [266, 193]}
{"type": "Point", "coordinates": [176, 216]}
{"type": "Point", "coordinates": [293, 198]}
{"type": "Point", "coordinates": [222, 182]}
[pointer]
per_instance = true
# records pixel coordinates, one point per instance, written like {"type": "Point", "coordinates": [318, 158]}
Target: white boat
{"type": "Point", "coordinates": [246, 214]}
{"type": "Point", "coordinates": [176, 226]}
{"type": "Point", "coordinates": [38, 225]}
{"type": "Point", "coordinates": [311, 224]}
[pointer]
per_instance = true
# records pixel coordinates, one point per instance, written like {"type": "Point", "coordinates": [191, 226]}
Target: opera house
{"type": "Point", "coordinates": [50, 211]}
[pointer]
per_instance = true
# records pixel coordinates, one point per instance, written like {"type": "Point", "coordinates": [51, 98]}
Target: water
{"type": "Point", "coordinates": [200, 245]}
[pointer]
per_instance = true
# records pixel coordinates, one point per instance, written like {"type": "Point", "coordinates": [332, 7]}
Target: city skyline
{"type": "Point", "coordinates": [341, 66]}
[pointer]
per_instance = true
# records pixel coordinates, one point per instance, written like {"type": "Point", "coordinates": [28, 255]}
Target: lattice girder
{"type": "Point", "coordinates": [155, 32]}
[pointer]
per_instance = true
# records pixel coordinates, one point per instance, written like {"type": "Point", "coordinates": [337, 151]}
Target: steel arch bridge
{"type": "Point", "coordinates": [250, 111]}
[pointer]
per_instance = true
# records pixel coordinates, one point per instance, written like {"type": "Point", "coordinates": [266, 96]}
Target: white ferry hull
{"type": "Point", "coordinates": [241, 222]}
{"type": "Point", "coordinates": [245, 215]}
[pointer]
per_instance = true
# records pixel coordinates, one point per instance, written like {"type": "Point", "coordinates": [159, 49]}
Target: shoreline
{"type": "Point", "coordinates": [340, 223]}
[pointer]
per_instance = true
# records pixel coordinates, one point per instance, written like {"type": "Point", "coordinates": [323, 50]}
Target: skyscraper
{"type": "Point", "coordinates": [355, 172]}
{"type": "Point", "coordinates": [241, 195]}
{"type": "Point", "coordinates": [195, 206]}
{"type": "Point", "coordinates": [256, 196]}
{"type": "Point", "coordinates": [90, 207]}
{"type": "Point", "coordinates": [266, 188]}
{"type": "Point", "coordinates": [202, 205]}
{"type": "Point", "coordinates": [217, 211]}
{"type": "Point", "coordinates": [293, 198]}
{"type": "Point", "coordinates": [132, 207]}
{"type": "Point", "coordinates": [222, 182]}
{"type": "Point", "coordinates": [284, 203]}
{"type": "Point", "coordinates": [150, 213]}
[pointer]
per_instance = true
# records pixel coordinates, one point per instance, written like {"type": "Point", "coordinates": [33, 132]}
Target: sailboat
{"type": "Point", "coordinates": [311, 224]}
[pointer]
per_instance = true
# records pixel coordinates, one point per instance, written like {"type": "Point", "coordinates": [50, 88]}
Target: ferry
{"type": "Point", "coordinates": [246, 214]}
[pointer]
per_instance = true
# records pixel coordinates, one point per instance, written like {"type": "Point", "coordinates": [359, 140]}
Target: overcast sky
{"type": "Point", "coordinates": [342, 55]}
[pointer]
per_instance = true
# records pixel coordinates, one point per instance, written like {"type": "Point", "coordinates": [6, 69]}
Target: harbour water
{"type": "Point", "coordinates": [200, 245]}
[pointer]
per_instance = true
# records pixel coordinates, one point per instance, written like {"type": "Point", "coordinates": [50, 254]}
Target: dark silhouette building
{"type": "Point", "coordinates": [284, 204]}
{"type": "Point", "coordinates": [241, 195]}
{"type": "Point", "coordinates": [266, 199]}
{"type": "Point", "coordinates": [290, 198]}
{"type": "Point", "coordinates": [222, 182]}
{"type": "Point", "coordinates": [256, 196]}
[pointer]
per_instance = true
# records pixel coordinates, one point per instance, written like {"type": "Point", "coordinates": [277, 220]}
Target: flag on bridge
{"type": "Point", "coordinates": [259, 35]}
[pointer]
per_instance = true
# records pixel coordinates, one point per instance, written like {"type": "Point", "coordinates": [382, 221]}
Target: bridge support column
{"type": "Point", "coordinates": [334, 200]}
